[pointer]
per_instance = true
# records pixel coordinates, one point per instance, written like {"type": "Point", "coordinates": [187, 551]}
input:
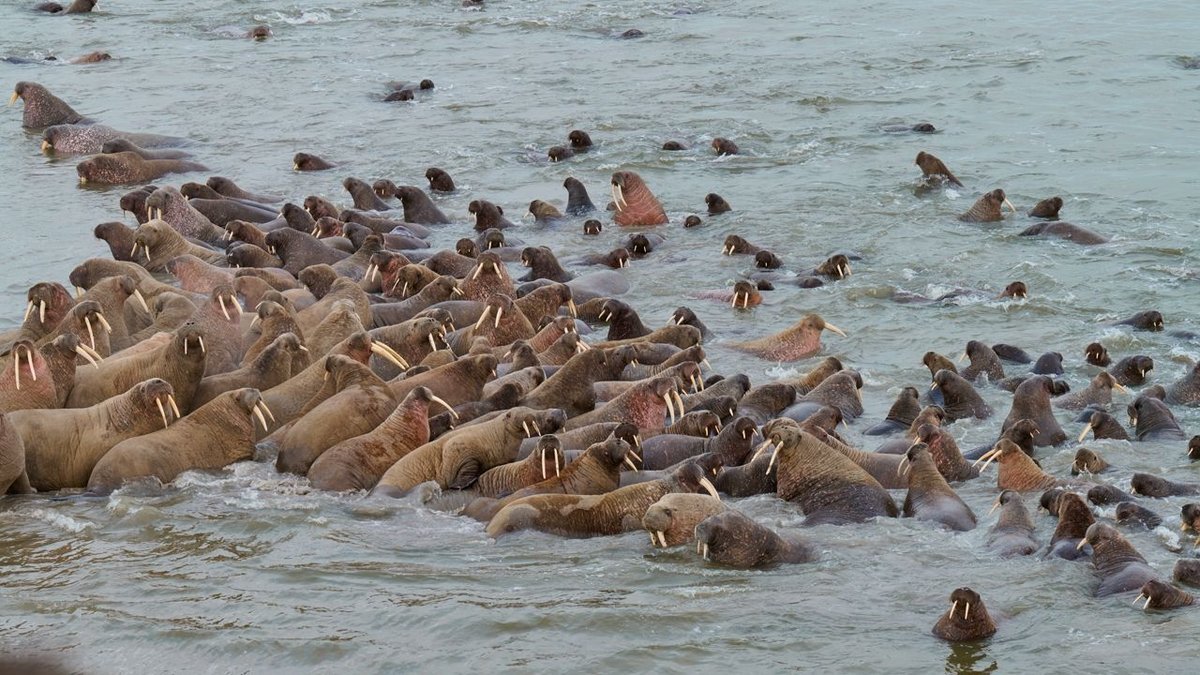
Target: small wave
{"type": "Point", "coordinates": [60, 521]}
{"type": "Point", "coordinates": [305, 17]}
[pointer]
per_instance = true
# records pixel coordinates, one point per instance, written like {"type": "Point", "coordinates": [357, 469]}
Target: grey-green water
{"type": "Point", "coordinates": [244, 572]}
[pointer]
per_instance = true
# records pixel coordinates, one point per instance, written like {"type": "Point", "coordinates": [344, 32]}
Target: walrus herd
{"type": "Point", "coordinates": [341, 344]}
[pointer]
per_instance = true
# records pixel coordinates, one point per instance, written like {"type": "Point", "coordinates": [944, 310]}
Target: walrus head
{"type": "Point", "coordinates": [1017, 470]}
{"type": "Point", "coordinates": [766, 260]}
{"type": "Point", "coordinates": [42, 109]}
{"type": "Point", "coordinates": [635, 203]}
{"type": "Point", "coordinates": [935, 362]}
{"type": "Point", "coordinates": [259, 33]}
{"type": "Point", "coordinates": [934, 168]}
{"type": "Point", "coordinates": [384, 188]}
{"type": "Point", "coordinates": [303, 161]}
{"type": "Point", "coordinates": [48, 303]}
{"type": "Point", "coordinates": [559, 153]}
{"type": "Point", "coordinates": [439, 180]}
{"type": "Point", "coordinates": [1193, 448]}
{"type": "Point", "coordinates": [580, 140]}
{"type": "Point", "coordinates": [108, 169]}
{"type": "Point", "coordinates": [987, 208]}
{"type": "Point", "coordinates": [836, 266]}
{"type": "Point", "coordinates": [639, 245]}
{"type": "Point", "coordinates": [1047, 208]}
{"type": "Point", "coordinates": [155, 395]}
{"type": "Point", "coordinates": [1151, 320]}
{"type": "Point", "coordinates": [724, 146]}
{"type": "Point", "coordinates": [592, 227]}
{"type": "Point", "coordinates": [1087, 461]}
{"type": "Point", "coordinates": [1016, 289]}
{"type": "Point", "coordinates": [1190, 517]}
{"type": "Point", "coordinates": [967, 618]}
{"type": "Point", "coordinates": [692, 220]}
{"type": "Point", "coordinates": [1161, 595]}
{"type": "Point", "coordinates": [487, 215]}
{"type": "Point", "coordinates": [716, 204]}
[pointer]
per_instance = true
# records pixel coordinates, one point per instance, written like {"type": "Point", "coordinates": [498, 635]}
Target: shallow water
{"type": "Point", "coordinates": [244, 571]}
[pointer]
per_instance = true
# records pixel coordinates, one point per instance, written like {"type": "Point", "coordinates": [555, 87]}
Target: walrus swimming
{"type": "Point", "coordinates": [127, 167]}
{"type": "Point", "coordinates": [1087, 461]}
{"type": "Point", "coordinates": [1017, 470]}
{"type": "Point", "coordinates": [213, 437]}
{"type": "Point", "coordinates": [929, 496]}
{"type": "Point", "coordinates": [636, 204]}
{"type": "Point", "coordinates": [1161, 595]}
{"type": "Point", "coordinates": [960, 400]}
{"type": "Point", "coordinates": [1098, 393]}
{"type": "Point", "coordinates": [1074, 518]}
{"type": "Point", "coordinates": [731, 538]}
{"type": "Point", "coordinates": [1118, 564]}
{"type": "Point", "coordinates": [828, 486]}
{"type": "Point", "coordinates": [1153, 420]}
{"type": "Point", "coordinates": [43, 109]}
{"type": "Point", "coordinates": [987, 208]}
{"type": "Point", "coordinates": [1047, 208]}
{"type": "Point", "coordinates": [1131, 370]}
{"type": "Point", "coordinates": [724, 146]}
{"type": "Point", "coordinates": [934, 168]}
{"type": "Point", "coordinates": [304, 161]}
{"type": "Point", "coordinates": [1032, 401]}
{"type": "Point", "coordinates": [1066, 231]}
{"type": "Point", "coordinates": [76, 7]}
{"type": "Point", "coordinates": [672, 520]}
{"type": "Point", "coordinates": [955, 626]}
{"type": "Point", "coordinates": [801, 340]}
{"type": "Point", "coordinates": [1012, 535]}
{"type": "Point", "coordinates": [984, 361]}
{"type": "Point", "coordinates": [1149, 485]}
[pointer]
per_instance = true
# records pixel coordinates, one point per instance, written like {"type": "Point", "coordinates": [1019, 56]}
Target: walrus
{"type": "Point", "coordinates": [1131, 370]}
{"type": "Point", "coordinates": [43, 109]}
{"type": "Point", "coordinates": [1103, 425]}
{"type": "Point", "coordinates": [636, 204]}
{"type": "Point", "coordinates": [716, 204]}
{"type": "Point", "coordinates": [1074, 518]}
{"type": "Point", "coordinates": [1032, 401]}
{"type": "Point", "coordinates": [1012, 535]}
{"type": "Point", "coordinates": [983, 362]}
{"type": "Point", "coordinates": [570, 388]}
{"type": "Point", "coordinates": [1098, 394]}
{"type": "Point", "coordinates": [156, 242]}
{"type": "Point", "coordinates": [592, 227]}
{"type": "Point", "coordinates": [724, 146]}
{"type": "Point", "coordinates": [505, 479]}
{"type": "Point", "coordinates": [968, 625]}
{"type": "Point", "coordinates": [1097, 355]}
{"type": "Point", "coordinates": [730, 538]}
{"type": "Point", "coordinates": [767, 260]}
{"type": "Point", "coordinates": [929, 496]}
{"type": "Point", "coordinates": [672, 520]}
{"type": "Point", "coordinates": [123, 168]}
{"type": "Point", "coordinates": [900, 416]}
{"type": "Point", "coordinates": [418, 207]}
{"type": "Point", "coordinates": [732, 444]}
{"type": "Point", "coordinates": [960, 400]}
{"type": "Point", "coordinates": [841, 390]}
{"type": "Point", "coordinates": [646, 405]}
{"type": "Point", "coordinates": [63, 446]}
{"type": "Point", "coordinates": [1161, 595]}
{"type": "Point", "coordinates": [90, 139]}
{"type": "Point", "coordinates": [801, 340]}
{"type": "Point", "coordinates": [1152, 420]}
{"type": "Point", "coordinates": [578, 201]}
{"type": "Point", "coordinates": [48, 303]}
{"type": "Point", "coordinates": [357, 463]}
{"type": "Point", "coordinates": [1189, 516]}
{"type": "Point", "coordinates": [559, 153]}
{"type": "Point", "coordinates": [1128, 513]}
{"type": "Point", "coordinates": [458, 458]}
{"type": "Point", "coordinates": [213, 437]}
{"type": "Point", "coordinates": [76, 7]}
{"type": "Point", "coordinates": [933, 169]}
{"type": "Point", "coordinates": [13, 479]}
{"type": "Point", "coordinates": [439, 180]}
{"type": "Point", "coordinates": [987, 208]}
{"type": "Point", "coordinates": [61, 356]}
{"type": "Point", "coordinates": [1047, 208]}
{"type": "Point", "coordinates": [1049, 363]}
{"type": "Point", "coordinates": [594, 515]}
{"type": "Point", "coordinates": [1017, 470]}
{"type": "Point", "coordinates": [595, 472]}
{"type": "Point", "coordinates": [273, 366]}
{"type": "Point", "coordinates": [1118, 564]}
{"type": "Point", "coordinates": [1186, 390]}
{"type": "Point", "coordinates": [1148, 320]}
{"type": "Point", "coordinates": [1193, 448]}
{"type": "Point", "coordinates": [828, 486]}
{"type": "Point", "coordinates": [304, 161]}
{"type": "Point", "coordinates": [1064, 230]}
{"type": "Point", "coordinates": [39, 391]}
{"type": "Point", "coordinates": [180, 362]}
{"type": "Point", "coordinates": [1087, 461]}
{"type": "Point", "coordinates": [1149, 485]}
{"type": "Point", "coordinates": [1102, 495]}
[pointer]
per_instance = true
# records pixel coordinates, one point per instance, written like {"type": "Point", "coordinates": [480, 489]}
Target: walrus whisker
{"type": "Point", "coordinates": [707, 485]}
{"type": "Point", "coordinates": [162, 412]}
{"type": "Point", "coordinates": [141, 299]}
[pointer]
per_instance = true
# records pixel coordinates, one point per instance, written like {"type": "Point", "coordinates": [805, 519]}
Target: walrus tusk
{"type": "Point", "coordinates": [162, 412]}
{"type": "Point", "coordinates": [17, 372]}
{"type": "Point", "coordinates": [456, 291]}
{"type": "Point", "coordinates": [261, 420]}
{"type": "Point", "coordinates": [104, 322]}
{"type": "Point", "coordinates": [635, 455]}
{"type": "Point", "coordinates": [383, 351]}
{"type": "Point", "coordinates": [141, 299]}
{"type": "Point", "coordinates": [632, 466]}
{"type": "Point", "coordinates": [829, 326]}
{"type": "Point", "coordinates": [670, 406]}
{"type": "Point", "coordinates": [1084, 433]}
{"type": "Point", "coordinates": [487, 309]}
{"type": "Point", "coordinates": [263, 404]}
{"type": "Point", "coordinates": [983, 457]}
{"type": "Point", "coordinates": [525, 426]}
{"type": "Point", "coordinates": [1139, 598]}
{"type": "Point", "coordinates": [1010, 205]}
{"type": "Point", "coordinates": [200, 339]}
{"type": "Point", "coordinates": [29, 358]}
{"type": "Point", "coordinates": [221, 299]}
{"type": "Point", "coordinates": [963, 357]}
{"type": "Point", "coordinates": [602, 315]}
{"type": "Point", "coordinates": [42, 313]}
{"type": "Point", "coordinates": [87, 357]}
{"type": "Point", "coordinates": [995, 505]}
{"type": "Point", "coordinates": [994, 454]}
{"type": "Point", "coordinates": [745, 301]}
{"type": "Point", "coordinates": [705, 553]}
{"type": "Point", "coordinates": [534, 424]}
{"type": "Point", "coordinates": [445, 405]}
{"type": "Point", "coordinates": [556, 471]}
{"type": "Point", "coordinates": [1120, 387]}
{"type": "Point", "coordinates": [774, 456]}
{"type": "Point", "coordinates": [900, 465]}
{"type": "Point", "coordinates": [12, 100]}
{"type": "Point", "coordinates": [735, 300]}
{"type": "Point", "coordinates": [91, 333]}
{"type": "Point", "coordinates": [953, 609]}
{"type": "Point", "coordinates": [571, 308]}
{"type": "Point", "coordinates": [707, 485]}
{"type": "Point", "coordinates": [678, 401]}
{"type": "Point", "coordinates": [662, 538]}
{"type": "Point", "coordinates": [1082, 542]}
{"type": "Point", "coordinates": [1147, 605]}
{"type": "Point", "coordinates": [370, 275]}
{"type": "Point", "coordinates": [1133, 420]}
{"type": "Point", "coordinates": [496, 268]}
{"type": "Point", "coordinates": [499, 313]}
{"type": "Point", "coordinates": [28, 310]}
{"type": "Point", "coordinates": [432, 345]}
{"type": "Point", "coordinates": [146, 248]}
{"type": "Point", "coordinates": [967, 612]}
{"type": "Point", "coordinates": [404, 291]}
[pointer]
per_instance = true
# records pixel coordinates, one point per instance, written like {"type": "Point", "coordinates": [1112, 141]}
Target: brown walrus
{"type": "Point", "coordinates": [1118, 564]}
{"type": "Point", "coordinates": [645, 405]}
{"type": "Point", "coordinates": [929, 496]}
{"type": "Point", "coordinates": [39, 390]}
{"type": "Point", "coordinates": [1149, 485]}
{"type": "Point", "coordinates": [934, 168]}
{"type": "Point", "coordinates": [671, 521]}
{"type": "Point", "coordinates": [12, 460]}
{"type": "Point", "coordinates": [361, 402]}
{"type": "Point", "coordinates": [594, 515]}
{"type": "Point", "coordinates": [358, 463]}
{"type": "Point", "coordinates": [43, 109]}
{"type": "Point", "coordinates": [1087, 461]}
{"type": "Point", "coordinates": [983, 362]}
{"type": "Point", "coordinates": [791, 344]}
{"type": "Point", "coordinates": [987, 208]}
{"type": "Point", "coordinates": [303, 161]}
{"type": "Point", "coordinates": [122, 168]}
{"type": "Point", "coordinates": [960, 399]}
{"type": "Point", "coordinates": [972, 623]}
{"type": "Point", "coordinates": [828, 486]}
{"type": "Point", "coordinates": [272, 367]}
{"type": "Point", "coordinates": [1017, 470]}
{"type": "Point", "coordinates": [63, 446]}
{"type": "Point", "coordinates": [730, 538]}
{"type": "Point", "coordinates": [458, 458]}
{"type": "Point", "coordinates": [1047, 208]}
{"type": "Point", "coordinates": [1161, 595]}
{"type": "Point", "coordinates": [1031, 401]}
{"type": "Point", "coordinates": [180, 362]}
{"type": "Point", "coordinates": [1098, 393]}
{"type": "Point", "coordinates": [213, 437]}
{"type": "Point", "coordinates": [1012, 534]}
{"type": "Point", "coordinates": [636, 204]}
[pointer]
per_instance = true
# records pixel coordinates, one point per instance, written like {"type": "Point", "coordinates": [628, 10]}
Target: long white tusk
{"type": "Point", "coordinates": [29, 357]}
{"type": "Point", "coordinates": [174, 407]}
{"type": "Point", "coordinates": [829, 326]}
{"type": "Point", "coordinates": [432, 345]}
{"type": "Point", "coordinates": [1010, 205]}
{"type": "Point", "coordinates": [141, 299]}
{"type": "Point", "coordinates": [261, 420]}
{"type": "Point", "coordinates": [499, 313]}
{"type": "Point", "coordinates": [200, 339]}
{"type": "Point", "coordinates": [382, 350]}
{"type": "Point", "coordinates": [104, 322]}
{"type": "Point", "coordinates": [712, 490]}
{"type": "Point", "coordinates": [91, 334]}
{"type": "Point", "coordinates": [487, 309]}
{"type": "Point", "coordinates": [87, 357]}
{"type": "Point", "coordinates": [42, 315]}
{"type": "Point", "coordinates": [525, 426]}
{"type": "Point", "coordinates": [445, 405]}
{"type": "Point", "coordinates": [632, 466]}
{"type": "Point", "coordinates": [1084, 433]}
{"type": "Point", "coordinates": [28, 310]}
{"type": "Point", "coordinates": [263, 404]}
{"type": "Point", "coordinates": [670, 406]}
{"type": "Point", "coordinates": [953, 608]}
{"type": "Point", "coordinates": [774, 456]}
{"type": "Point", "coordinates": [162, 412]}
